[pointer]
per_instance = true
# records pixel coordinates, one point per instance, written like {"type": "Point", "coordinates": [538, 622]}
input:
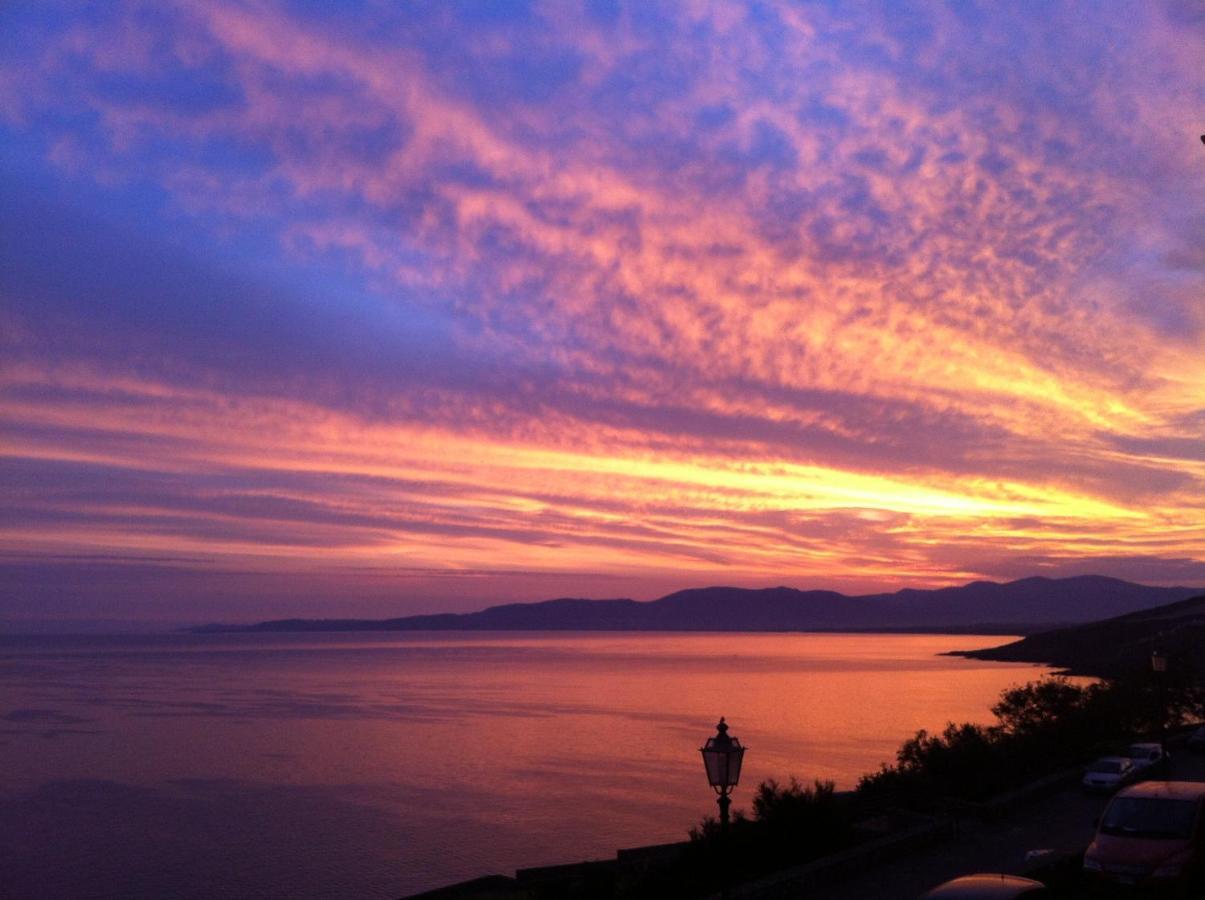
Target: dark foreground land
{"type": "Point", "coordinates": [1116, 647]}
{"type": "Point", "coordinates": [1042, 835]}
{"type": "Point", "coordinates": [1063, 820]}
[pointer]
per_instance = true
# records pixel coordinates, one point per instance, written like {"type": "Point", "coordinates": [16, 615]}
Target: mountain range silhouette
{"type": "Point", "coordinates": [1014, 607]}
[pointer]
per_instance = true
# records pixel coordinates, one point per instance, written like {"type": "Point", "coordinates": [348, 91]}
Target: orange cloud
{"type": "Point", "coordinates": [764, 293]}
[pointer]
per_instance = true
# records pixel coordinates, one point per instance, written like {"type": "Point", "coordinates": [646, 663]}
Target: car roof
{"type": "Point", "coordinates": [1116, 759]}
{"type": "Point", "coordinates": [1146, 746]}
{"type": "Point", "coordinates": [983, 886]}
{"type": "Point", "coordinates": [1170, 790]}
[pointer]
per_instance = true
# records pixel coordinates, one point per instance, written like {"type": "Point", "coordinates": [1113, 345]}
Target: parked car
{"type": "Point", "coordinates": [1196, 741]}
{"type": "Point", "coordinates": [1152, 838]}
{"type": "Point", "coordinates": [988, 887]}
{"type": "Point", "coordinates": [1148, 759]}
{"type": "Point", "coordinates": [1108, 773]}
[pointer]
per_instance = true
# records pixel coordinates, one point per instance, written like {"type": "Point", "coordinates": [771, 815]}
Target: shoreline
{"type": "Point", "coordinates": [984, 630]}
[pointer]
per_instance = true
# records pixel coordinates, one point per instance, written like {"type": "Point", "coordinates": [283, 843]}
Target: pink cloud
{"type": "Point", "coordinates": [858, 253]}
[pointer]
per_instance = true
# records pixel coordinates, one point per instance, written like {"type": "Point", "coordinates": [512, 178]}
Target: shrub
{"type": "Point", "coordinates": [1041, 726]}
{"type": "Point", "coordinates": [964, 761]}
{"type": "Point", "coordinates": [790, 824]}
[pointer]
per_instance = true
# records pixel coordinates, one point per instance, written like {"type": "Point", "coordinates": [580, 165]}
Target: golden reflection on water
{"type": "Point", "coordinates": [487, 751]}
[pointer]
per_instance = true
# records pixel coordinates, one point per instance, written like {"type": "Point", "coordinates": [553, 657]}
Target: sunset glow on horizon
{"type": "Point", "coordinates": [372, 309]}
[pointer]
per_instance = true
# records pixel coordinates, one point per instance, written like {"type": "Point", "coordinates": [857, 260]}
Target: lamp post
{"type": "Point", "coordinates": [722, 756]}
{"type": "Point", "coordinates": [1159, 668]}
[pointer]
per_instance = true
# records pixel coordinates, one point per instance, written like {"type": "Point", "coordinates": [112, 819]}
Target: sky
{"type": "Point", "coordinates": [333, 309]}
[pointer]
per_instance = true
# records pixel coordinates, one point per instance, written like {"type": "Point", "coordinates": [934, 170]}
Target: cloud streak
{"type": "Point", "coordinates": [769, 292]}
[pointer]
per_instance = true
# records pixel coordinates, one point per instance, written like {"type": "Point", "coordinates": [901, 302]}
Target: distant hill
{"type": "Point", "coordinates": [984, 606]}
{"type": "Point", "coordinates": [1119, 645]}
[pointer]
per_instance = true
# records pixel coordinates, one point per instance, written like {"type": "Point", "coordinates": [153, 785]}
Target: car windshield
{"type": "Point", "coordinates": [1149, 817]}
{"type": "Point", "coordinates": [1143, 753]}
{"type": "Point", "coordinates": [1106, 766]}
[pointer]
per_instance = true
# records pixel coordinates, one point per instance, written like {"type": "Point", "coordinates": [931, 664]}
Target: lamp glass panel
{"type": "Point", "coordinates": [734, 765]}
{"type": "Point", "coordinates": [717, 766]}
{"type": "Point", "coordinates": [723, 766]}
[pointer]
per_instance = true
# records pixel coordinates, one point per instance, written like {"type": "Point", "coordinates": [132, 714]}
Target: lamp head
{"type": "Point", "coordinates": [722, 757]}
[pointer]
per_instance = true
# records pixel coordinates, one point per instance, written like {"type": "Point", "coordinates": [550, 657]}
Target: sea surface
{"type": "Point", "coordinates": [374, 766]}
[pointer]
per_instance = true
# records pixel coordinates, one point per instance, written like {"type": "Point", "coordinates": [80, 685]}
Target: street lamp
{"type": "Point", "coordinates": [1159, 667]}
{"type": "Point", "coordinates": [722, 757]}
{"type": "Point", "coordinates": [1158, 662]}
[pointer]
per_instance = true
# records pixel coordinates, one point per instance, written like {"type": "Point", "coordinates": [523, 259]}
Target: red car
{"type": "Point", "coordinates": [988, 887]}
{"type": "Point", "coordinates": [1152, 838]}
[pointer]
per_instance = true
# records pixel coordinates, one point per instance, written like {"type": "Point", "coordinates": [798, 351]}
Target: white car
{"type": "Point", "coordinates": [1108, 773]}
{"type": "Point", "coordinates": [1147, 758]}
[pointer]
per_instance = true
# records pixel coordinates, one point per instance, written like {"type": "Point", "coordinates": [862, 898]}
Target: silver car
{"type": "Point", "coordinates": [1147, 759]}
{"type": "Point", "coordinates": [1108, 774]}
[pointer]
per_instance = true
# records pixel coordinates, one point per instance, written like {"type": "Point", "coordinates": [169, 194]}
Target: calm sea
{"type": "Point", "coordinates": [375, 766]}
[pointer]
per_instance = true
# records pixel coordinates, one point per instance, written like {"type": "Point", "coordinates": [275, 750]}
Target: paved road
{"type": "Point", "coordinates": [1062, 821]}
